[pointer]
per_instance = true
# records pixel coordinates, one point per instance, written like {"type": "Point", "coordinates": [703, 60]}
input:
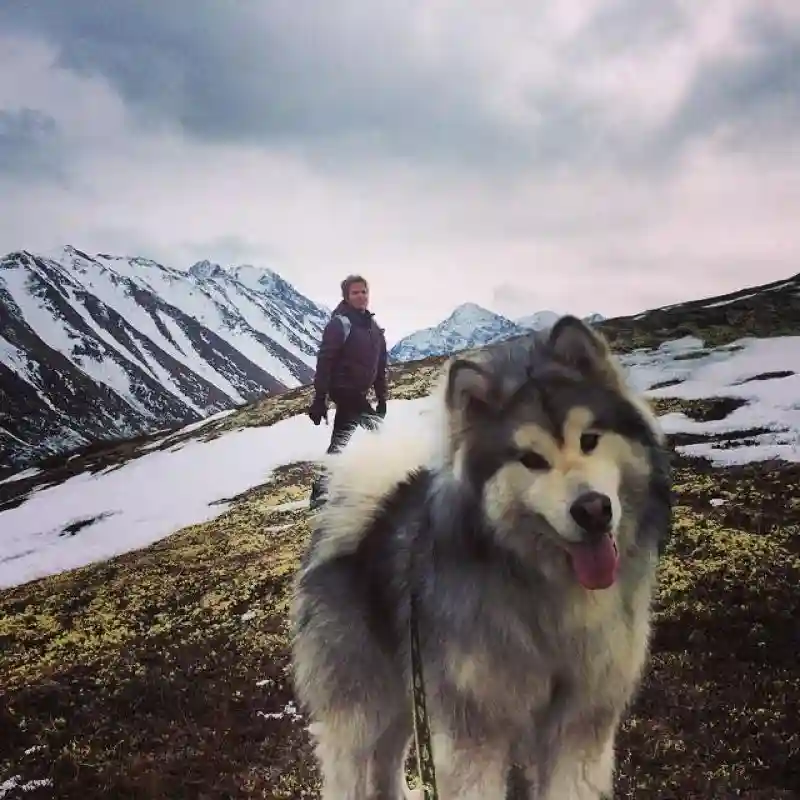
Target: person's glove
{"type": "Point", "coordinates": [318, 410]}
{"type": "Point", "coordinates": [380, 409]}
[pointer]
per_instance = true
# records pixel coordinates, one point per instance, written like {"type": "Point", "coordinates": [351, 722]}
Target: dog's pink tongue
{"type": "Point", "coordinates": [596, 565]}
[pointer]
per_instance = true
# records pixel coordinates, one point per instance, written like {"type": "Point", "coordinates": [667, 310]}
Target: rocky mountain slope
{"type": "Point", "coordinates": [469, 326]}
{"type": "Point", "coordinates": [95, 347]}
{"type": "Point", "coordinates": [147, 651]}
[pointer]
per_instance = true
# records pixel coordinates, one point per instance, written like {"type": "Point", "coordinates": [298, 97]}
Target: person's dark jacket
{"type": "Point", "coordinates": [351, 367]}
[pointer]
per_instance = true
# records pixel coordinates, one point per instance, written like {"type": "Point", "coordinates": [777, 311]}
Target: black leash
{"type": "Point", "coordinates": [422, 729]}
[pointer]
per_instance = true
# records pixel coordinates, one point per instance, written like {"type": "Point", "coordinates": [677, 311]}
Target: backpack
{"type": "Point", "coordinates": [346, 324]}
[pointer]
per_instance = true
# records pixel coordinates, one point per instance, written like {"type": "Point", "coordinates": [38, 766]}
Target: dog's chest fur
{"type": "Point", "coordinates": [574, 659]}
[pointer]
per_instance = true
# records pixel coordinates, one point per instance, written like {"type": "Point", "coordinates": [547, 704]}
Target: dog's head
{"type": "Point", "coordinates": [559, 452]}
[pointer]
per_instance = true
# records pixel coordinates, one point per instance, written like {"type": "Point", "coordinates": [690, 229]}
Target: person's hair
{"type": "Point", "coordinates": [349, 281]}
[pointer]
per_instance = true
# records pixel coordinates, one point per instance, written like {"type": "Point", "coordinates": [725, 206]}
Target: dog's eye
{"type": "Point", "coordinates": [589, 441]}
{"type": "Point", "coordinates": [533, 461]}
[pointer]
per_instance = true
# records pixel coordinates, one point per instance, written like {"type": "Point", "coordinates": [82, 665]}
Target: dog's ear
{"type": "Point", "coordinates": [574, 343]}
{"type": "Point", "coordinates": [469, 388]}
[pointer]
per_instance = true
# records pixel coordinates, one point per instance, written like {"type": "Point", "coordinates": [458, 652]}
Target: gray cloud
{"type": "Point", "coordinates": [350, 82]}
{"type": "Point", "coordinates": [30, 145]}
{"type": "Point", "coordinates": [753, 97]}
{"type": "Point", "coordinates": [583, 156]}
{"type": "Point", "coordinates": [630, 24]}
{"type": "Point", "coordinates": [272, 73]}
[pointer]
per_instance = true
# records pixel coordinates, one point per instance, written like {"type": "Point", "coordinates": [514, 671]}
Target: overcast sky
{"type": "Point", "coordinates": [575, 155]}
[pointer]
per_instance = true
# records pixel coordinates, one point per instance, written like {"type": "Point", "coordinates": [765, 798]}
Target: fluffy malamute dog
{"type": "Point", "coordinates": [529, 528]}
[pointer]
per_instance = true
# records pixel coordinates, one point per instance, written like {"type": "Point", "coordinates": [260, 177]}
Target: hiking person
{"type": "Point", "coordinates": [351, 361]}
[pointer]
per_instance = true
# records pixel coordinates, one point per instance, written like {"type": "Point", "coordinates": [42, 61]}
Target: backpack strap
{"type": "Point", "coordinates": [346, 324]}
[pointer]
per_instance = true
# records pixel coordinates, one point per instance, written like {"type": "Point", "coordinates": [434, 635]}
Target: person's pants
{"type": "Point", "coordinates": [350, 412]}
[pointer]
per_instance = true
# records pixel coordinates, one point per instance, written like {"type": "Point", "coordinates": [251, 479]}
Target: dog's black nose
{"type": "Point", "coordinates": [592, 511]}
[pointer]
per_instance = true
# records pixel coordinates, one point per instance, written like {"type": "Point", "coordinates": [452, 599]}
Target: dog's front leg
{"type": "Point", "coordinates": [468, 770]}
{"type": "Point", "coordinates": [343, 763]}
{"type": "Point", "coordinates": [565, 767]}
{"type": "Point", "coordinates": [586, 774]}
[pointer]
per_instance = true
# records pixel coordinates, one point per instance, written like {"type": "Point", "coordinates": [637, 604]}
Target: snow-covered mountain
{"type": "Point", "coordinates": [538, 321]}
{"type": "Point", "coordinates": [98, 347]}
{"type": "Point", "coordinates": [469, 326]}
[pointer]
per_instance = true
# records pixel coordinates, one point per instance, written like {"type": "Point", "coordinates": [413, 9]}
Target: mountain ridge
{"type": "Point", "coordinates": [470, 325]}
{"type": "Point", "coordinates": [103, 346]}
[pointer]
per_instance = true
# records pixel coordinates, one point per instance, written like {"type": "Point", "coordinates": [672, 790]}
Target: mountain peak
{"type": "Point", "coordinates": [61, 252]}
{"type": "Point", "coordinates": [205, 269]}
{"type": "Point", "coordinates": [471, 312]}
{"type": "Point", "coordinates": [539, 320]}
{"type": "Point", "coordinates": [469, 325]}
{"type": "Point", "coordinates": [259, 279]}
{"type": "Point", "coordinates": [98, 346]}
{"type": "Point", "coordinates": [468, 307]}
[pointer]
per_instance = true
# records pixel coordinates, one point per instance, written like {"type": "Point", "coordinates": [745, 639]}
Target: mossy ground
{"type": "Point", "coordinates": [155, 675]}
{"type": "Point", "coordinates": [163, 673]}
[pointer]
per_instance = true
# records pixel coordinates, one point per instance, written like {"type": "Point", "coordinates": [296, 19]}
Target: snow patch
{"type": "Point", "coordinates": [721, 303]}
{"type": "Point", "coordinates": [28, 786]}
{"type": "Point", "coordinates": [31, 472]}
{"type": "Point", "coordinates": [156, 494]}
{"type": "Point", "coordinates": [150, 497]}
{"type": "Point", "coordinates": [768, 419]}
{"type": "Point", "coordinates": [289, 710]}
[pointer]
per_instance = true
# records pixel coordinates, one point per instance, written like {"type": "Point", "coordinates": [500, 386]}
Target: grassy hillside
{"type": "Point", "coordinates": [772, 309]}
{"type": "Point", "coordinates": [162, 673]}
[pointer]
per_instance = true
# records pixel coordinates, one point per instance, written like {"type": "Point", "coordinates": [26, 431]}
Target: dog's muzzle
{"type": "Point", "coordinates": [595, 560]}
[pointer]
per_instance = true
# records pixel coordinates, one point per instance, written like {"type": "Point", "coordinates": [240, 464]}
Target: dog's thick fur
{"type": "Point", "coordinates": [523, 663]}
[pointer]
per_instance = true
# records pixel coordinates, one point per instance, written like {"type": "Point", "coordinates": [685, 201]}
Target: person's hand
{"type": "Point", "coordinates": [380, 409]}
{"type": "Point", "coordinates": [318, 410]}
